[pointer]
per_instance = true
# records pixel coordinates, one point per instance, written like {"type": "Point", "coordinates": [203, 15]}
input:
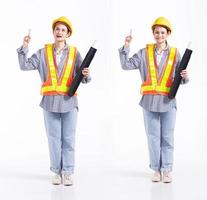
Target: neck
{"type": "Point", "coordinates": [59, 45]}
{"type": "Point", "coordinates": [161, 46]}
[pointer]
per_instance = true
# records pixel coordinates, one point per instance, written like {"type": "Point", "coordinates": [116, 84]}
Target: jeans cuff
{"type": "Point", "coordinates": [157, 169]}
{"type": "Point", "coordinates": [168, 169]}
{"type": "Point", "coordinates": [57, 171]}
{"type": "Point", "coordinates": [67, 172]}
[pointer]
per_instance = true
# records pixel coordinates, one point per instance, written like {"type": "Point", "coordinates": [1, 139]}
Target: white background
{"type": "Point", "coordinates": [111, 147]}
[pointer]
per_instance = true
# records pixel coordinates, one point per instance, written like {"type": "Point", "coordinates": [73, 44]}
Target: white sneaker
{"type": "Point", "coordinates": [166, 178]}
{"type": "Point", "coordinates": [67, 180]}
{"type": "Point", "coordinates": [156, 177]}
{"type": "Point", "coordinates": [56, 179]}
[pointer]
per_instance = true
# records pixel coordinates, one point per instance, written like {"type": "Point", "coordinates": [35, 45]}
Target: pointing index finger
{"type": "Point", "coordinates": [29, 32]}
{"type": "Point", "coordinates": [130, 33]}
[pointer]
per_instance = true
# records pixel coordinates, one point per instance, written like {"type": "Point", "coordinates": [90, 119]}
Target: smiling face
{"type": "Point", "coordinates": [160, 34]}
{"type": "Point", "coordinates": [60, 32]}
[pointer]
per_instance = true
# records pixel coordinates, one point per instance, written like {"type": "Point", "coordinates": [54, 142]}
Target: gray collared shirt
{"type": "Point", "coordinates": [154, 103]}
{"type": "Point", "coordinates": [57, 103]}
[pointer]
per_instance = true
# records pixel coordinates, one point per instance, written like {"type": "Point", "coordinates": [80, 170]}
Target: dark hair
{"type": "Point", "coordinates": [69, 31]}
{"type": "Point", "coordinates": [168, 30]}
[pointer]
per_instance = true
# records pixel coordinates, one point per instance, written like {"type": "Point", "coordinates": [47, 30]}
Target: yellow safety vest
{"type": "Point", "coordinates": [152, 85]}
{"type": "Point", "coordinates": [54, 85]}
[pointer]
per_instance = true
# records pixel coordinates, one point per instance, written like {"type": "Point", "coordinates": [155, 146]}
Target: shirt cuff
{"type": "Point", "coordinates": [185, 80]}
{"type": "Point", "coordinates": [22, 50]}
{"type": "Point", "coordinates": [86, 80]}
{"type": "Point", "coordinates": [124, 50]}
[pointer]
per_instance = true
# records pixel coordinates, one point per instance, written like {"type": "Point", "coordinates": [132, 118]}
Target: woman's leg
{"type": "Point", "coordinates": [69, 121]}
{"type": "Point", "coordinates": [152, 127]}
{"type": "Point", "coordinates": [167, 139]}
{"type": "Point", "coordinates": [53, 129]}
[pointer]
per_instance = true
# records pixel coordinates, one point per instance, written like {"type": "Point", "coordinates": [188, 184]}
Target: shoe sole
{"type": "Point", "coordinates": [167, 181]}
{"type": "Point", "coordinates": [67, 184]}
{"type": "Point", "coordinates": [56, 183]}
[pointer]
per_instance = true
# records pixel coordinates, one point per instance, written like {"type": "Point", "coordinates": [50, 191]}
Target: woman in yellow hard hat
{"type": "Point", "coordinates": [157, 64]}
{"type": "Point", "coordinates": [57, 63]}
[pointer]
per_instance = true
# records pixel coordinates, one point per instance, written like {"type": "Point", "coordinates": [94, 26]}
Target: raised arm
{"type": "Point", "coordinates": [126, 62]}
{"type": "Point", "coordinates": [25, 63]}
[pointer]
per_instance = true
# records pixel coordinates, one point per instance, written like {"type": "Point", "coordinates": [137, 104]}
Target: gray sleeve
{"type": "Point", "coordinates": [178, 59]}
{"type": "Point", "coordinates": [25, 63]}
{"type": "Point", "coordinates": [79, 60]}
{"type": "Point", "coordinates": [129, 63]}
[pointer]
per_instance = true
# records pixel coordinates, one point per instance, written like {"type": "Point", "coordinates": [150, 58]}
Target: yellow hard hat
{"type": "Point", "coordinates": [162, 21]}
{"type": "Point", "coordinates": [65, 21]}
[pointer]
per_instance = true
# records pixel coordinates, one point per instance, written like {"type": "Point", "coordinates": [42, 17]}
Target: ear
{"type": "Point", "coordinates": [168, 32]}
{"type": "Point", "coordinates": [68, 34]}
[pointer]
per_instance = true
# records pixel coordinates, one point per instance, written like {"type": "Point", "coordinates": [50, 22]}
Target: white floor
{"type": "Point", "coordinates": [102, 177]}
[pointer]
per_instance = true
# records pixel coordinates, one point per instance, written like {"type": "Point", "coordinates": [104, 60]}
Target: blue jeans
{"type": "Point", "coordinates": [60, 128]}
{"type": "Point", "coordinates": [159, 128]}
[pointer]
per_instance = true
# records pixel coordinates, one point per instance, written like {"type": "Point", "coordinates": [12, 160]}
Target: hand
{"type": "Point", "coordinates": [26, 41]}
{"type": "Point", "coordinates": [184, 74]}
{"type": "Point", "coordinates": [86, 72]}
{"type": "Point", "coordinates": [128, 40]}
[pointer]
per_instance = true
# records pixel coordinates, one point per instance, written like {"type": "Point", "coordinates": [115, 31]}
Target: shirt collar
{"type": "Point", "coordinates": [165, 49]}
{"type": "Point", "coordinates": [64, 48]}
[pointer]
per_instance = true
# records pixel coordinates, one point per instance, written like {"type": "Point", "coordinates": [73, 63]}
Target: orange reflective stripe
{"type": "Point", "coordinates": [53, 86]}
{"type": "Point", "coordinates": [152, 85]}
